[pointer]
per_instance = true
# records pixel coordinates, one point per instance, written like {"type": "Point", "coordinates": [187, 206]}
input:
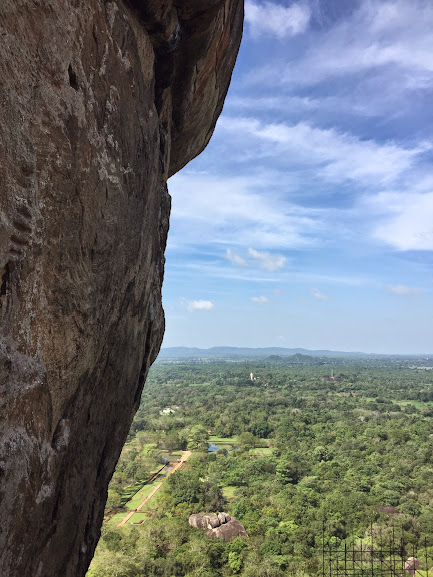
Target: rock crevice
{"type": "Point", "coordinates": [100, 102]}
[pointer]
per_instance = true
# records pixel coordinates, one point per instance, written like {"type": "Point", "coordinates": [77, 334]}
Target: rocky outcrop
{"type": "Point", "coordinates": [219, 525]}
{"type": "Point", "coordinates": [101, 100]}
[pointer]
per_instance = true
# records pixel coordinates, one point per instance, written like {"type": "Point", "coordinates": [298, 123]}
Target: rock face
{"type": "Point", "coordinates": [220, 525]}
{"type": "Point", "coordinates": [101, 100]}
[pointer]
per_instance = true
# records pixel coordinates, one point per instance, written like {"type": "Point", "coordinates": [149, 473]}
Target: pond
{"type": "Point", "coordinates": [212, 447]}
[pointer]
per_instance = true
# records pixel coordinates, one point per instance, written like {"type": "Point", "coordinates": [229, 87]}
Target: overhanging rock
{"type": "Point", "coordinates": [100, 102]}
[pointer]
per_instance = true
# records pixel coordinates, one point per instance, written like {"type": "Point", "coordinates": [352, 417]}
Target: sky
{"type": "Point", "coordinates": [308, 220]}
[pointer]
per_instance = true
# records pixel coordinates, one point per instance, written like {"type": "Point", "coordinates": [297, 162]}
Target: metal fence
{"type": "Point", "coordinates": [376, 555]}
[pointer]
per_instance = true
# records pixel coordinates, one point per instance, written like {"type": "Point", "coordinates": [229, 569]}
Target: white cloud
{"type": "Point", "coordinates": [291, 276]}
{"type": "Point", "coordinates": [260, 300]}
{"type": "Point", "coordinates": [307, 106]}
{"type": "Point", "coordinates": [235, 258]}
{"type": "Point", "coordinates": [405, 219]}
{"type": "Point", "coordinates": [337, 156]}
{"type": "Point", "coordinates": [268, 261]}
{"type": "Point", "coordinates": [395, 34]}
{"type": "Point", "coordinates": [403, 290]}
{"type": "Point", "coordinates": [373, 61]}
{"type": "Point", "coordinates": [334, 279]}
{"type": "Point", "coordinates": [273, 103]}
{"type": "Point", "coordinates": [318, 295]}
{"type": "Point", "coordinates": [199, 305]}
{"type": "Point", "coordinates": [272, 18]}
{"type": "Point", "coordinates": [239, 212]}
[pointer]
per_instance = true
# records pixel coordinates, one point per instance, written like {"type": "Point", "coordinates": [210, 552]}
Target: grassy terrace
{"type": "Point", "coordinates": [115, 519]}
{"type": "Point", "coordinates": [137, 518]}
{"type": "Point", "coordinates": [134, 495]}
{"type": "Point", "coordinates": [141, 495]}
{"type": "Point", "coordinates": [222, 440]}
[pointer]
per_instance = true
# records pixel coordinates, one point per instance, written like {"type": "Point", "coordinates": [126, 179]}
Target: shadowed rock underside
{"type": "Point", "coordinates": [100, 102]}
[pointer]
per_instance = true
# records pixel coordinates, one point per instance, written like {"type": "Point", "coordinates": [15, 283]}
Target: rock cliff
{"type": "Point", "coordinates": [101, 100]}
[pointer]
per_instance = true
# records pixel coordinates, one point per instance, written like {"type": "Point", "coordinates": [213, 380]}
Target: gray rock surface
{"type": "Point", "coordinates": [219, 525]}
{"type": "Point", "coordinates": [100, 102]}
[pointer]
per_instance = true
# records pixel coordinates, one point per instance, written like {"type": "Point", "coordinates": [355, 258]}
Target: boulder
{"type": "Point", "coordinates": [219, 525]}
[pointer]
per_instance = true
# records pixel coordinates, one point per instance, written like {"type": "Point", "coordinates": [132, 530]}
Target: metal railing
{"type": "Point", "coordinates": [376, 555]}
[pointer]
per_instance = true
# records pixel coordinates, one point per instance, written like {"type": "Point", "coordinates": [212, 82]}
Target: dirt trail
{"type": "Point", "coordinates": [184, 457]}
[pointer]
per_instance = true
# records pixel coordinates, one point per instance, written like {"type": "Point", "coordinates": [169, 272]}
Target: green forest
{"type": "Point", "coordinates": [305, 451]}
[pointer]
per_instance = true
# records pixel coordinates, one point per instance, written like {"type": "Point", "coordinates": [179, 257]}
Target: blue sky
{"type": "Point", "coordinates": [308, 220]}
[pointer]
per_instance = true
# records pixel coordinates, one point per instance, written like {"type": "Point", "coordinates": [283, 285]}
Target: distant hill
{"type": "Point", "coordinates": [298, 355]}
{"type": "Point", "coordinates": [297, 359]}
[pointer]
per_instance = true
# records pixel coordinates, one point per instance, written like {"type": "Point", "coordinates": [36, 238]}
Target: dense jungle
{"type": "Point", "coordinates": [301, 450]}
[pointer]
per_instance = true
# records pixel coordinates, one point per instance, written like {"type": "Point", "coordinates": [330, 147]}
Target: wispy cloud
{"type": "Point", "coordinates": [267, 261]}
{"type": "Point", "coordinates": [319, 295]}
{"type": "Point", "coordinates": [234, 258]}
{"type": "Point", "coordinates": [280, 21]}
{"type": "Point", "coordinates": [403, 290]}
{"type": "Point", "coordinates": [235, 211]}
{"type": "Point", "coordinates": [338, 156]}
{"type": "Point", "coordinates": [323, 157]}
{"type": "Point", "coordinates": [293, 275]}
{"type": "Point", "coordinates": [200, 305]}
{"type": "Point", "coordinates": [352, 281]}
{"type": "Point", "coordinates": [395, 34]}
{"type": "Point", "coordinates": [304, 106]}
{"type": "Point", "coordinates": [273, 103]}
{"type": "Point", "coordinates": [248, 274]}
{"type": "Point", "coordinates": [382, 48]}
{"type": "Point", "coordinates": [260, 300]}
{"type": "Point", "coordinates": [405, 219]}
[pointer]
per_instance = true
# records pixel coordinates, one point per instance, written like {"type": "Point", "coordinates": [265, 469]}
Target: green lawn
{"type": "Point", "coordinates": [229, 492]}
{"type": "Point", "coordinates": [115, 520]}
{"type": "Point", "coordinates": [137, 518]}
{"type": "Point", "coordinates": [221, 440]}
{"type": "Point", "coordinates": [149, 488]}
{"type": "Point", "coordinates": [141, 495]}
{"type": "Point", "coordinates": [130, 491]}
{"type": "Point", "coordinates": [262, 451]}
{"type": "Point", "coordinates": [228, 441]}
{"type": "Point", "coordinates": [134, 502]}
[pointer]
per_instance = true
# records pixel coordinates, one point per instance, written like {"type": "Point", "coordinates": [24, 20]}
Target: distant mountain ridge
{"type": "Point", "coordinates": [227, 352]}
